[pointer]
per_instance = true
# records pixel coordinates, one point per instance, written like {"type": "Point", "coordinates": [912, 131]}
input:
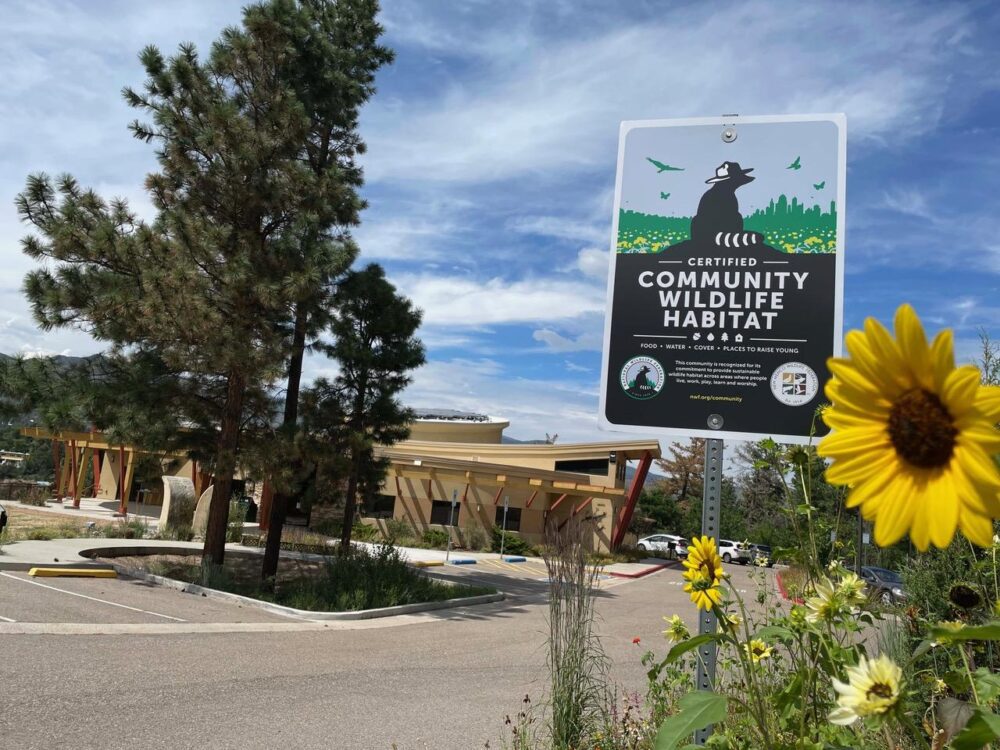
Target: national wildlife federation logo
{"type": "Point", "coordinates": [794, 384]}
{"type": "Point", "coordinates": [642, 377]}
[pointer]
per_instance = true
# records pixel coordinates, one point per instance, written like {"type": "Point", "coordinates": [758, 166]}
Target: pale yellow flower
{"type": "Point", "coordinates": [676, 630]}
{"type": "Point", "coordinates": [824, 606]}
{"type": "Point", "coordinates": [852, 589]}
{"type": "Point", "coordinates": [913, 436]}
{"type": "Point", "coordinates": [872, 688]}
{"type": "Point", "coordinates": [757, 650]}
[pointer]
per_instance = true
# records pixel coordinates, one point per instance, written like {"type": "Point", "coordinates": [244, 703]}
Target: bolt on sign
{"type": "Point", "coordinates": [725, 291]}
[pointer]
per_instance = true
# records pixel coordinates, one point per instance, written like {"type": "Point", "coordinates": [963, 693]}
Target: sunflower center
{"type": "Point", "coordinates": [921, 429]}
{"type": "Point", "coordinates": [879, 690]}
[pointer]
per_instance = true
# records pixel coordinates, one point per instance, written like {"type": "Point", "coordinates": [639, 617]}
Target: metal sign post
{"type": "Point", "coordinates": [707, 621]}
{"type": "Point", "coordinates": [503, 532]}
{"type": "Point", "coordinates": [451, 522]}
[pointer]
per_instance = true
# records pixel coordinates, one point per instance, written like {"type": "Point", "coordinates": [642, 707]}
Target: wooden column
{"type": "Point", "coordinates": [625, 516]}
{"type": "Point", "coordinates": [73, 466]}
{"type": "Point", "coordinates": [57, 469]}
{"type": "Point", "coordinates": [129, 473]}
{"type": "Point", "coordinates": [97, 472]}
{"type": "Point", "coordinates": [122, 496]}
{"type": "Point", "coordinates": [81, 475]}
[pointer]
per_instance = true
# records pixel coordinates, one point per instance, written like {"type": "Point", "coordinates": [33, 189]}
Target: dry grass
{"type": "Point", "coordinates": [23, 523]}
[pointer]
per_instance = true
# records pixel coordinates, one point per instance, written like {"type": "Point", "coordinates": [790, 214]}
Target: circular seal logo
{"type": "Point", "coordinates": [642, 377]}
{"type": "Point", "coordinates": [794, 384]}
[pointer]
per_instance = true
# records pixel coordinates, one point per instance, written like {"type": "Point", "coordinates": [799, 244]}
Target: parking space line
{"type": "Point", "coordinates": [91, 598]}
{"type": "Point", "coordinates": [6, 619]}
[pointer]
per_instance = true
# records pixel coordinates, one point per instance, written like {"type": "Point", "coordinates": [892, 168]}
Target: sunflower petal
{"type": "Point", "coordinates": [913, 344]}
{"type": "Point", "coordinates": [942, 357]}
{"type": "Point", "coordinates": [960, 390]}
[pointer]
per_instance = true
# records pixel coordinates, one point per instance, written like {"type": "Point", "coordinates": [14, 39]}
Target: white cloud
{"type": "Point", "coordinates": [555, 108]}
{"type": "Point", "coordinates": [533, 406]}
{"type": "Point", "coordinates": [561, 227]}
{"type": "Point", "coordinates": [468, 302]}
{"type": "Point", "coordinates": [908, 201]}
{"type": "Point", "coordinates": [585, 342]}
{"type": "Point", "coordinates": [402, 238]}
{"type": "Point", "coordinates": [593, 262]}
{"type": "Point", "coordinates": [573, 367]}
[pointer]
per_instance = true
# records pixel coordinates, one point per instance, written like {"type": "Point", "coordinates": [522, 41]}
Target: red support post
{"type": "Point", "coordinates": [558, 502]}
{"type": "Point", "coordinates": [74, 476]}
{"type": "Point", "coordinates": [531, 499]}
{"type": "Point", "coordinates": [122, 499]}
{"type": "Point", "coordinates": [496, 498]}
{"type": "Point", "coordinates": [582, 505]}
{"type": "Point", "coordinates": [97, 472]}
{"type": "Point", "coordinates": [57, 464]}
{"type": "Point", "coordinates": [465, 493]}
{"type": "Point", "coordinates": [625, 516]}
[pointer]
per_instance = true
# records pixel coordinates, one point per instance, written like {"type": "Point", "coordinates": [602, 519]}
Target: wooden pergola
{"type": "Point", "coordinates": [71, 452]}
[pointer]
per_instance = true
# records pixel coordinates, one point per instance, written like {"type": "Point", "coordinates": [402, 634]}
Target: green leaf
{"type": "Point", "coordinates": [982, 729]}
{"type": "Point", "coordinates": [923, 648]}
{"type": "Point", "coordinates": [953, 715]}
{"type": "Point", "coordinates": [772, 633]}
{"type": "Point", "coordinates": [987, 684]}
{"type": "Point", "coordinates": [988, 632]}
{"type": "Point", "coordinates": [689, 645]}
{"type": "Point", "coordinates": [697, 711]}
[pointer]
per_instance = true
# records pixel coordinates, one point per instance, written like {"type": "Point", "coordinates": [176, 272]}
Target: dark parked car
{"type": "Point", "coordinates": [884, 585]}
{"type": "Point", "coordinates": [761, 551]}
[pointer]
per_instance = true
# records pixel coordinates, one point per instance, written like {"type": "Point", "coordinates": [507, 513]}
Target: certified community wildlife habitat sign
{"type": "Point", "coordinates": [725, 292]}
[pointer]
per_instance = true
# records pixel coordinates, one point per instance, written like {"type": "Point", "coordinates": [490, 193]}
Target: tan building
{"type": "Point", "coordinates": [460, 457]}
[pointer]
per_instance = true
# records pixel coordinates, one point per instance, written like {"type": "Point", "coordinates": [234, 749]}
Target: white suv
{"type": "Point", "coordinates": [665, 543]}
{"type": "Point", "coordinates": [731, 551]}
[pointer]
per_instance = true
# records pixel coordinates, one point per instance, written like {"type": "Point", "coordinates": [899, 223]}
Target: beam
{"type": "Point", "coordinates": [558, 502]}
{"type": "Point", "coordinates": [496, 498]}
{"type": "Point", "coordinates": [81, 475]}
{"type": "Point", "coordinates": [582, 505]}
{"type": "Point", "coordinates": [625, 516]}
{"type": "Point", "coordinates": [531, 499]}
{"type": "Point", "coordinates": [465, 493]}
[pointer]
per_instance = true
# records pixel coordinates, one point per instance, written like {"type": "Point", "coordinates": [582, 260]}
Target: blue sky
{"type": "Point", "coordinates": [492, 146]}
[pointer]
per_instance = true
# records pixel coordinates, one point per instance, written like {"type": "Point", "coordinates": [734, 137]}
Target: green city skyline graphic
{"type": "Point", "coordinates": [787, 224]}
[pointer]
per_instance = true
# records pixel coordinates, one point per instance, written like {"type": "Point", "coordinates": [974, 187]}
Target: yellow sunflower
{"type": "Point", "coordinates": [703, 573]}
{"type": "Point", "coordinates": [676, 630]}
{"type": "Point", "coordinates": [913, 435]}
{"type": "Point", "coordinates": [757, 650]}
{"type": "Point", "coordinates": [872, 688]}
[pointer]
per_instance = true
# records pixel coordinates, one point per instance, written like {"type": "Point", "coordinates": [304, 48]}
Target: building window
{"type": "Point", "coordinates": [380, 506]}
{"type": "Point", "coordinates": [441, 513]}
{"type": "Point", "coordinates": [513, 518]}
{"type": "Point", "coordinates": [596, 466]}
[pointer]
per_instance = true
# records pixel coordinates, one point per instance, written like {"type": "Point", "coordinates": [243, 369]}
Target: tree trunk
{"type": "Point", "coordinates": [279, 502]}
{"type": "Point", "coordinates": [225, 466]}
{"type": "Point", "coordinates": [350, 503]}
{"type": "Point", "coordinates": [357, 426]}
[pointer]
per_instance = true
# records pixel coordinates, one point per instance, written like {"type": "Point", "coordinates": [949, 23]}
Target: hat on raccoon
{"type": "Point", "coordinates": [728, 170]}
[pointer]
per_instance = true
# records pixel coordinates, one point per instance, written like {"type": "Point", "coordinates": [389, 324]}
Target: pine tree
{"type": "Point", "coordinates": [373, 329]}
{"type": "Point", "coordinates": [209, 287]}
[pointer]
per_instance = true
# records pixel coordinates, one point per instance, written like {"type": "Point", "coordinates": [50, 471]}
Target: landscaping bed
{"type": "Point", "coordinates": [361, 580]}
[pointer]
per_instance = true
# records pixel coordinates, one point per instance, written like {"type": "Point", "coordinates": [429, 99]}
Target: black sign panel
{"type": "Point", "coordinates": [725, 305]}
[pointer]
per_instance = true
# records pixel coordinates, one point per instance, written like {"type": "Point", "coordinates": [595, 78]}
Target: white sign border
{"type": "Point", "coordinates": [838, 119]}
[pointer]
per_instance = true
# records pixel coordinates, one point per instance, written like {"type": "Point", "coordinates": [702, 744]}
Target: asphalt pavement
{"type": "Point", "coordinates": [129, 676]}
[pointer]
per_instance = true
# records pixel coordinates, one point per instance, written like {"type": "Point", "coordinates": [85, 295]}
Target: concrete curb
{"type": "Point", "coordinates": [306, 614]}
{"type": "Point", "coordinates": [639, 574]}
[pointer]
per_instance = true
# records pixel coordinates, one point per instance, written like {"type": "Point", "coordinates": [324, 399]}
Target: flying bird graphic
{"type": "Point", "coordinates": [795, 164]}
{"type": "Point", "coordinates": [820, 185]}
{"type": "Point", "coordinates": [661, 167]}
{"type": "Point", "coordinates": [664, 196]}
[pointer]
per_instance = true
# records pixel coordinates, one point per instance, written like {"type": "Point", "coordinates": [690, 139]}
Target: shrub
{"type": "Point", "coordinates": [132, 529]}
{"type": "Point", "coordinates": [397, 528]}
{"type": "Point", "coordinates": [435, 538]}
{"type": "Point", "coordinates": [180, 533]}
{"type": "Point", "coordinates": [328, 526]}
{"type": "Point", "coordinates": [476, 539]}
{"type": "Point", "coordinates": [234, 526]}
{"type": "Point", "coordinates": [510, 541]}
{"type": "Point", "coordinates": [364, 533]}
